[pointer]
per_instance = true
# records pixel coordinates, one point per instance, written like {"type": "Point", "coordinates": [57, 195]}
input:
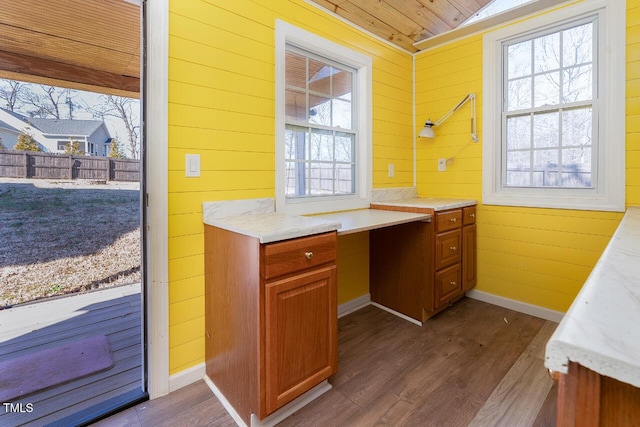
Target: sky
{"type": "Point", "coordinates": [496, 6]}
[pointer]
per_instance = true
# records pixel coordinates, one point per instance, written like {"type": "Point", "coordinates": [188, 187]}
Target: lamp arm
{"type": "Point", "coordinates": [454, 109]}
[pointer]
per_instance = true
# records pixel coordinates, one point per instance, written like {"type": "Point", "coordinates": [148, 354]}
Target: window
{"type": "Point", "coordinates": [323, 124]}
{"type": "Point", "coordinates": [555, 126]}
{"type": "Point", "coordinates": [62, 145]}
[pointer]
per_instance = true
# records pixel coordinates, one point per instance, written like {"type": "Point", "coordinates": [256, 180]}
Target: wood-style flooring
{"type": "Point", "coordinates": [475, 364]}
{"type": "Point", "coordinates": [26, 329]}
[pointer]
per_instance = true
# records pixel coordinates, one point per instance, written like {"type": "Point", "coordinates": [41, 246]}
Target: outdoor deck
{"type": "Point", "coordinates": [114, 312]}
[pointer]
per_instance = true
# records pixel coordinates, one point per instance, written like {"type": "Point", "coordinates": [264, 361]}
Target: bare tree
{"type": "Point", "coordinates": [11, 93]}
{"type": "Point", "coordinates": [50, 103]}
{"type": "Point", "coordinates": [124, 109]}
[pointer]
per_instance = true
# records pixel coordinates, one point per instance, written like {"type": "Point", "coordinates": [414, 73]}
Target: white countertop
{"type": "Point", "coordinates": [370, 219]}
{"type": "Point", "coordinates": [257, 218]}
{"type": "Point", "coordinates": [435, 203]}
{"type": "Point", "coordinates": [601, 330]}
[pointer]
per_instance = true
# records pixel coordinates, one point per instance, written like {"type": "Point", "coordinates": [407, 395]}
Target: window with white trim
{"type": "Point", "coordinates": [323, 124]}
{"type": "Point", "coordinates": [320, 133]}
{"type": "Point", "coordinates": [554, 117]}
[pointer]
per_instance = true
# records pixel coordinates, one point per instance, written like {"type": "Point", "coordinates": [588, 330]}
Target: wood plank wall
{"type": "Point", "coordinates": [537, 256]}
{"type": "Point", "coordinates": [222, 106]}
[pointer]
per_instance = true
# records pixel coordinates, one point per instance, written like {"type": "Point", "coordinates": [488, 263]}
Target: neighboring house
{"type": "Point", "coordinates": [52, 135]}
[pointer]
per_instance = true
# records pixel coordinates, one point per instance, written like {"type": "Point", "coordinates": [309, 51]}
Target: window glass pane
{"type": "Point", "coordinates": [295, 70]}
{"type": "Point", "coordinates": [577, 45]}
{"type": "Point", "coordinates": [321, 145]}
{"type": "Point", "coordinates": [547, 89]}
{"type": "Point", "coordinates": [518, 161]}
{"type": "Point", "coordinates": [344, 178]}
{"type": "Point", "coordinates": [319, 110]}
{"type": "Point", "coordinates": [295, 106]}
{"type": "Point", "coordinates": [545, 166]}
{"type": "Point", "coordinates": [546, 130]}
{"type": "Point", "coordinates": [576, 167]}
{"type": "Point", "coordinates": [320, 77]}
{"type": "Point", "coordinates": [519, 60]}
{"type": "Point", "coordinates": [341, 111]}
{"type": "Point", "coordinates": [519, 94]}
{"type": "Point", "coordinates": [342, 84]}
{"type": "Point", "coordinates": [518, 179]}
{"type": "Point", "coordinates": [576, 127]}
{"type": "Point", "coordinates": [320, 179]}
{"type": "Point", "coordinates": [518, 132]}
{"type": "Point", "coordinates": [547, 53]}
{"type": "Point", "coordinates": [345, 144]}
{"type": "Point", "coordinates": [577, 84]}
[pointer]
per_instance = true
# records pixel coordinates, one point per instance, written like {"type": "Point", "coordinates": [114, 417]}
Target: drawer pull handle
{"type": "Point", "coordinates": [454, 219]}
{"type": "Point", "coordinates": [452, 283]}
{"type": "Point", "coordinates": [472, 215]}
{"type": "Point", "coordinates": [453, 248]}
{"type": "Point", "coordinates": [309, 255]}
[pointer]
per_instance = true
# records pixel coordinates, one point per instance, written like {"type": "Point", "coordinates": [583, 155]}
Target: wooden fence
{"type": "Point", "coordinates": [29, 164]}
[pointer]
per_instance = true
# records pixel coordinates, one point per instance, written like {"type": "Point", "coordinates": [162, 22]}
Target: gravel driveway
{"type": "Point", "coordinates": [66, 236]}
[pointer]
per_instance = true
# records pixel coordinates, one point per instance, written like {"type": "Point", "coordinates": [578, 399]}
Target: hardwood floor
{"type": "Point", "coordinates": [26, 329]}
{"type": "Point", "coordinates": [474, 364]}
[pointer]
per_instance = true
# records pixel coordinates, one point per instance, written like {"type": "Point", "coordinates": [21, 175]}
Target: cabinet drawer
{"type": "Point", "coordinates": [448, 220]}
{"type": "Point", "coordinates": [293, 255]}
{"type": "Point", "coordinates": [448, 285]}
{"type": "Point", "coordinates": [469, 215]}
{"type": "Point", "coordinates": [448, 248]}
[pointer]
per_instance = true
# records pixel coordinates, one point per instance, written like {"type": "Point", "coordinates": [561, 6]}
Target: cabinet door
{"type": "Point", "coordinates": [447, 285]}
{"type": "Point", "coordinates": [469, 257]}
{"type": "Point", "coordinates": [301, 329]}
{"type": "Point", "coordinates": [448, 249]}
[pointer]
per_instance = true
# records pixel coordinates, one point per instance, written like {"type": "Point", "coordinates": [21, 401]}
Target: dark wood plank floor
{"type": "Point", "coordinates": [115, 313]}
{"type": "Point", "coordinates": [474, 364]}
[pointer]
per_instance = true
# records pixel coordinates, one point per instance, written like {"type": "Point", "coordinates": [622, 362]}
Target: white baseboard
{"type": "Point", "coordinates": [354, 305]}
{"type": "Point", "coordinates": [279, 415]}
{"type": "Point", "coordinates": [395, 313]}
{"type": "Point", "coordinates": [522, 307]}
{"type": "Point", "coordinates": [186, 377]}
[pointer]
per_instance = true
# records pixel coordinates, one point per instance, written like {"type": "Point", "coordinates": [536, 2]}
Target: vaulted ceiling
{"type": "Point", "coordinates": [84, 44]}
{"type": "Point", "coordinates": [405, 22]}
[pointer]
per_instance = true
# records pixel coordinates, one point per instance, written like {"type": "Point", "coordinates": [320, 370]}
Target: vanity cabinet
{"type": "Point", "coordinates": [446, 250]}
{"type": "Point", "coordinates": [270, 317]}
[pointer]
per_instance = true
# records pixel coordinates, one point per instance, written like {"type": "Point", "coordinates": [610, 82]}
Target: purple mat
{"type": "Point", "coordinates": [47, 368]}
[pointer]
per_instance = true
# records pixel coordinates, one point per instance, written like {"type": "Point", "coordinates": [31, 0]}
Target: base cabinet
{"type": "Point", "coordinates": [446, 251]}
{"type": "Point", "coordinates": [588, 399]}
{"type": "Point", "coordinates": [270, 318]}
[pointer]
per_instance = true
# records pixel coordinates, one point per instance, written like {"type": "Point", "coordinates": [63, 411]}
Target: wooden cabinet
{"type": "Point", "coordinates": [445, 250]}
{"type": "Point", "coordinates": [586, 398]}
{"type": "Point", "coordinates": [270, 318]}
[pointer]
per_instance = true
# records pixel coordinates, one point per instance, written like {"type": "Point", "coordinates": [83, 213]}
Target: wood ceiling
{"type": "Point", "coordinates": [405, 22]}
{"type": "Point", "coordinates": [82, 44]}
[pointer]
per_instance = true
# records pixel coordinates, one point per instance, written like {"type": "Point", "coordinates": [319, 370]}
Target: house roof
{"type": "Point", "coordinates": [7, 126]}
{"type": "Point", "coordinates": [65, 126]}
{"type": "Point", "coordinates": [58, 126]}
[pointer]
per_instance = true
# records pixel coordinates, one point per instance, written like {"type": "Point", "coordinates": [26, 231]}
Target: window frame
{"type": "Point", "coordinates": [287, 34]}
{"type": "Point", "coordinates": [608, 192]}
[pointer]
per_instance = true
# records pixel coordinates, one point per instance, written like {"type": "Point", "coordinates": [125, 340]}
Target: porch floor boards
{"type": "Point", "coordinates": [114, 312]}
{"type": "Point", "coordinates": [473, 364]}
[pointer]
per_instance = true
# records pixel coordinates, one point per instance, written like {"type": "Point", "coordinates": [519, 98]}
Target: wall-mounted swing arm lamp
{"type": "Point", "coordinates": [427, 130]}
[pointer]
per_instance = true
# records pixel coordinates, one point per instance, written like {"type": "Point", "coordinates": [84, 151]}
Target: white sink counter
{"type": "Point", "coordinates": [601, 330]}
{"type": "Point", "coordinates": [407, 197]}
{"type": "Point", "coordinates": [370, 219]}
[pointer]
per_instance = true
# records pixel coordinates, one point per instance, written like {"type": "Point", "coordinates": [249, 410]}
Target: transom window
{"type": "Point", "coordinates": [320, 130]}
{"type": "Point", "coordinates": [549, 110]}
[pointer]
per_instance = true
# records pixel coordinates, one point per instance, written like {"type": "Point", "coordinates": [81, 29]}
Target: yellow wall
{"type": "Point", "coordinates": [537, 256]}
{"type": "Point", "coordinates": [222, 106]}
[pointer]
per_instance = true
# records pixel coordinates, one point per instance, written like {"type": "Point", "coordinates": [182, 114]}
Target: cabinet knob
{"type": "Point", "coordinates": [452, 283]}
{"type": "Point", "coordinates": [453, 248]}
{"type": "Point", "coordinates": [309, 255]}
{"type": "Point", "coordinates": [454, 219]}
{"type": "Point", "coordinates": [472, 215]}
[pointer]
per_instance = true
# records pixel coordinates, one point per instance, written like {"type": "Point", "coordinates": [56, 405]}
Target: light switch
{"type": "Point", "coordinates": [391, 171]}
{"type": "Point", "coordinates": [192, 165]}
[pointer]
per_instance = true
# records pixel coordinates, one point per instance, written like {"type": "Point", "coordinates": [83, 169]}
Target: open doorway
{"type": "Point", "coordinates": [71, 277]}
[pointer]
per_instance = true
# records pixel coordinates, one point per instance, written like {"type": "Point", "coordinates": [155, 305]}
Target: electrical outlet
{"type": "Point", "coordinates": [391, 170]}
{"type": "Point", "coordinates": [442, 165]}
